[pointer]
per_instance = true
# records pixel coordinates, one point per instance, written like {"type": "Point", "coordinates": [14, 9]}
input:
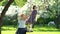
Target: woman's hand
{"type": "Point", "coordinates": [11, 1]}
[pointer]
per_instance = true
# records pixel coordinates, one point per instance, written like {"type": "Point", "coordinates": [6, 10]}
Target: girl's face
{"type": "Point", "coordinates": [23, 17]}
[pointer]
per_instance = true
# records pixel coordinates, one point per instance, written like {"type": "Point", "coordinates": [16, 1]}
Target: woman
{"type": "Point", "coordinates": [31, 19]}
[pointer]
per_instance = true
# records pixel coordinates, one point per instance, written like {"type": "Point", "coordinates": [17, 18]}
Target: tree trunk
{"type": "Point", "coordinates": [0, 24]}
{"type": "Point", "coordinates": [3, 13]}
{"type": "Point", "coordinates": [57, 22]}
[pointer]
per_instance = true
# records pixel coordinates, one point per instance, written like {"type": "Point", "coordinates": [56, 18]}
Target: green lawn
{"type": "Point", "coordinates": [13, 32]}
{"type": "Point", "coordinates": [37, 30]}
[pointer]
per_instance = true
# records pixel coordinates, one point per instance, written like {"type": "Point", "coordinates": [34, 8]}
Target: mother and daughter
{"type": "Point", "coordinates": [24, 19]}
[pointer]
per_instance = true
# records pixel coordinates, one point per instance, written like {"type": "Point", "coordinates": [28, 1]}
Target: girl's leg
{"type": "Point", "coordinates": [23, 31]}
{"type": "Point", "coordinates": [17, 32]}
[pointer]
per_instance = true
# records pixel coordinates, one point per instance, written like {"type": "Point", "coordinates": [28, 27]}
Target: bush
{"type": "Point", "coordinates": [10, 20]}
{"type": "Point", "coordinates": [42, 20]}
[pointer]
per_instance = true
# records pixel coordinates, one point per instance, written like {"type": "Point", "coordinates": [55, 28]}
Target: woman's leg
{"type": "Point", "coordinates": [31, 29]}
{"type": "Point", "coordinates": [33, 25]}
{"type": "Point", "coordinates": [30, 26]}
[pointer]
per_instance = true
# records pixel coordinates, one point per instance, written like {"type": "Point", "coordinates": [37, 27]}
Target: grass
{"type": "Point", "coordinates": [37, 30]}
{"type": "Point", "coordinates": [45, 28]}
{"type": "Point", "coordinates": [13, 32]}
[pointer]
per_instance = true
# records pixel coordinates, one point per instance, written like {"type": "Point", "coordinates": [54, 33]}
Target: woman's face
{"type": "Point", "coordinates": [35, 7]}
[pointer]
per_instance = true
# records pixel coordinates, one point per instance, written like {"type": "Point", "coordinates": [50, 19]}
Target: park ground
{"type": "Point", "coordinates": [13, 32]}
{"type": "Point", "coordinates": [37, 30]}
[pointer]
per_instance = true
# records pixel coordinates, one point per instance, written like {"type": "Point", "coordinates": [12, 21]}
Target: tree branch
{"type": "Point", "coordinates": [6, 8]}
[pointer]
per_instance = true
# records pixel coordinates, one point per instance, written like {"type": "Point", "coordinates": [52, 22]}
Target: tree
{"type": "Point", "coordinates": [20, 3]}
{"type": "Point", "coordinates": [1, 0]}
{"type": "Point", "coordinates": [55, 10]}
{"type": "Point", "coordinates": [3, 12]}
{"type": "Point", "coordinates": [57, 20]}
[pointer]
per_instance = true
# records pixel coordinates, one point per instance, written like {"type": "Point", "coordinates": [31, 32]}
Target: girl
{"type": "Point", "coordinates": [22, 26]}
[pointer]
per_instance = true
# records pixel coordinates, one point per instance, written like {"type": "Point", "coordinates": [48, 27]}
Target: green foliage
{"type": "Point", "coordinates": [3, 2]}
{"type": "Point", "coordinates": [42, 20]}
{"type": "Point", "coordinates": [53, 11]}
{"type": "Point", "coordinates": [10, 20]}
{"type": "Point", "coordinates": [19, 3]}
